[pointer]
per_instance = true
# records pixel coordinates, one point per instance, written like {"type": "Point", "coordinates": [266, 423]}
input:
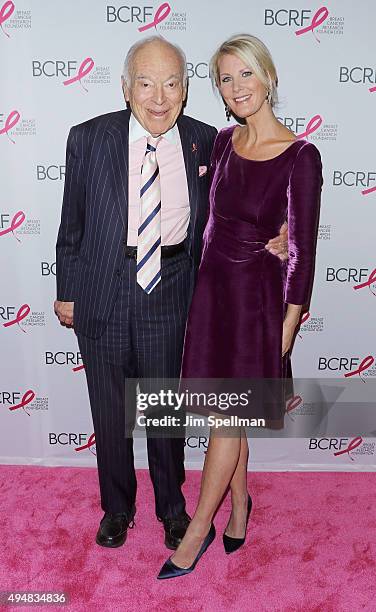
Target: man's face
{"type": "Point", "coordinates": [156, 92]}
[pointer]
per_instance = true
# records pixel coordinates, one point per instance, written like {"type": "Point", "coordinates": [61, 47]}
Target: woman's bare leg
{"type": "Point", "coordinates": [221, 462]}
{"type": "Point", "coordinates": [239, 493]}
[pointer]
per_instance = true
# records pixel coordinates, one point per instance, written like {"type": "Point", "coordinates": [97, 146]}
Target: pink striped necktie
{"type": "Point", "coordinates": [149, 229]}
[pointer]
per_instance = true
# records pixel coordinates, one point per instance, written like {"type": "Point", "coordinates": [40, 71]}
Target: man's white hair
{"type": "Point", "coordinates": [128, 63]}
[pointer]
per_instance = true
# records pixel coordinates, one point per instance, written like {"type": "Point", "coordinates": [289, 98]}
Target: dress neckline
{"type": "Point", "coordinates": [261, 161]}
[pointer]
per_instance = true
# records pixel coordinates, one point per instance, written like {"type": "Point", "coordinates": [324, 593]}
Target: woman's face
{"type": "Point", "coordinates": [242, 91]}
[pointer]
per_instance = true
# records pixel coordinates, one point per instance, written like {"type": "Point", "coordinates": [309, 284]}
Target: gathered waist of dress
{"type": "Point", "coordinates": [241, 231]}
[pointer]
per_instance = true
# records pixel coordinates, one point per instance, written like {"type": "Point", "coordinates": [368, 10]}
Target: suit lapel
{"type": "Point", "coordinates": [118, 160]}
{"type": "Point", "coordinates": [189, 146]}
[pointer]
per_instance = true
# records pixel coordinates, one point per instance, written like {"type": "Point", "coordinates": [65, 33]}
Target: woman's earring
{"type": "Point", "coordinates": [228, 112]}
{"type": "Point", "coordinates": [268, 97]}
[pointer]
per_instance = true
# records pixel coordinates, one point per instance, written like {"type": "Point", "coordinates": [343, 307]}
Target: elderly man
{"type": "Point", "coordinates": [129, 245]}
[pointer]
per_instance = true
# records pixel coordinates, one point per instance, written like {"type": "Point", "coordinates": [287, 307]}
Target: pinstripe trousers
{"type": "Point", "coordinates": [143, 340]}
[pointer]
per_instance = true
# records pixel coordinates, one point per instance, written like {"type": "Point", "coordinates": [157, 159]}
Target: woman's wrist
{"type": "Point", "coordinates": [291, 322]}
{"type": "Point", "coordinates": [292, 317]}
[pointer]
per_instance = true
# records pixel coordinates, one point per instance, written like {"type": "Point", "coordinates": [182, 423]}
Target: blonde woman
{"type": "Point", "coordinates": [247, 303]}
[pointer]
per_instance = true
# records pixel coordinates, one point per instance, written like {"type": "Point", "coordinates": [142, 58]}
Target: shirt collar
{"type": "Point", "coordinates": [137, 131]}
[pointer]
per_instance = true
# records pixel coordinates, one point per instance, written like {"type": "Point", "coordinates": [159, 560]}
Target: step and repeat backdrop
{"type": "Point", "coordinates": [60, 65]}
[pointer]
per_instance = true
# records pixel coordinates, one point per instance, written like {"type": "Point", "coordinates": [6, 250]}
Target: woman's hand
{"type": "Point", "coordinates": [292, 319]}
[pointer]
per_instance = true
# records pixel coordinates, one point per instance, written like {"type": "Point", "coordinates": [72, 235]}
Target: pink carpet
{"type": "Point", "coordinates": [311, 546]}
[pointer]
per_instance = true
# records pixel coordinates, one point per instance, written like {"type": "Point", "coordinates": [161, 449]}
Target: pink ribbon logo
{"type": "Point", "coordinates": [12, 119]}
{"type": "Point", "coordinates": [160, 15]}
{"type": "Point", "coordinates": [312, 125]}
{"type": "Point", "coordinates": [319, 17]}
{"type": "Point", "coordinates": [368, 283]}
{"type": "Point", "coordinates": [303, 319]}
{"type": "Point", "coordinates": [86, 66]}
{"type": "Point", "coordinates": [353, 444]}
{"type": "Point", "coordinates": [17, 220]}
{"type": "Point", "coordinates": [89, 444]}
{"type": "Point", "coordinates": [22, 313]}
{"type": "Point", "coordinates": [78, 368]}
{"type": "Point", "coordinates": [367, 191]}
{"type": "Point", "coordinates": [292, 404]}
{"type": "Point", "coordinates": [5, 12]}
{"type": "Point", "coordinates": [365, 364]}
{"type": "Point", "coordinates": [372, 89]}
{"type": "Point", "coordinates": [26, 399]}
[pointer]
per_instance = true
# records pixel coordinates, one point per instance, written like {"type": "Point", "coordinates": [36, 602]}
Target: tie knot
{"type": "Point", "coordinates": [152, 143]}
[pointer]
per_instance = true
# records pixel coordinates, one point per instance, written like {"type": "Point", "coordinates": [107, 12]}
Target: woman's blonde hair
{"type": "Point", "coordinates": [255, 55]}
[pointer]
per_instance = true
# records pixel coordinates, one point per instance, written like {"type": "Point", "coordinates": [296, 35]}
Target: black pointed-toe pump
{"type": "Point", "coordinates": [232, 544]}
{"type": "Point", "coordinates": [170, 570]}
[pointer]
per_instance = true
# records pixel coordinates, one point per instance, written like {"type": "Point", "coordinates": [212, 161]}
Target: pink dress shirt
{"type": "Point", "coordinates": [175, 210]}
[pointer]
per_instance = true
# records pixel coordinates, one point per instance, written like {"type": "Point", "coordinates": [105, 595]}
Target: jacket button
{"type": "Point", "coordinates": [124, 242]}
{"type": "Point", "coordinates": [118, 272]}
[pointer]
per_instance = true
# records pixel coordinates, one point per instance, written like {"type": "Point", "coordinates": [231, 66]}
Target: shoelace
{"type": "Point", "coordinates": [180, 522]}
{"type": "Point", "coordinates": [130, 524]}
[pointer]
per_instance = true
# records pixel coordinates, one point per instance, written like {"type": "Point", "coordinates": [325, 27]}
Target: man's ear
{"type": "Point", "coordinates": [185, 92]}
{"type": "Point", "coordinates": [125, 89]}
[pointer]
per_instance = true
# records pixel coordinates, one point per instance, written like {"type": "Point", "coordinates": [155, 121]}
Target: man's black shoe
{"type": "Point", "coordinates": [112, 531]}
{"type": "Point", "coordinates": [175, 529]}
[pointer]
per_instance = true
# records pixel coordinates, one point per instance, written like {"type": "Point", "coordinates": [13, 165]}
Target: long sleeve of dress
{"type": "Point", "coordinates": [304, 192]}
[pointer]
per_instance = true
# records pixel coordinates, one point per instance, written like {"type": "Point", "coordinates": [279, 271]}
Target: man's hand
{"type": "Point", "coordinates": [64, 312]}
{"type": "Point", "coordinates": [279, 245]}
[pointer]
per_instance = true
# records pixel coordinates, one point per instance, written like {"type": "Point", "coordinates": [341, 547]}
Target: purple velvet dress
{"type": "Point", "coordinates": [234, 327]}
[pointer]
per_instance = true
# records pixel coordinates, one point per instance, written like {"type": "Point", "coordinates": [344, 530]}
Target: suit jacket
{"type": "Point", "coordinates": [93, 228]}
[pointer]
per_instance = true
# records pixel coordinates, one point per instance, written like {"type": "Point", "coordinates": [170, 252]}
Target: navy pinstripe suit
{"type": "Point", "coordinates": [122, 332]}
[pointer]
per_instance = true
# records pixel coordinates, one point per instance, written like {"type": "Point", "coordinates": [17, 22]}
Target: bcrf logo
{"type": "Point", "coordinates": [355, 178]}
{"type": "Point", "coordinates": [54, 68]}
{"type": "Point", "coordinates": [295, 124]}
{"type": "Point", "coordinates": [63, 68]}
{"type": "Point", "coordinates": [9, 224]}
{"type": "Point", "coordinates": [287, 17]}
{"type": "Point", "coordinates": [327, 443]}
{"type": "Point", "coordinates": [51, 172]}
{"type": "Point", "coordinates": [358, 74]}
{"type": "Point", "coordinates": [297, 18]}
{"type": "Point", "coordinates": [63, 358]}
{"type": "Point", "coordinates": [346, 275]}
{"type": "Point", "coordinates": [80, 441]}
{"type": "Point", "coordinates": [13, 400]}
{"type": "Point", "coordinates": [47, 268]}
{"type": "Point", "coordinates": [138, 14]}
{"type": "Point", "coordinates": [27, 401]}
{"type": "Point", "coordinates": [340, 446]}
{"type": "Point", "coordinates": [8, 122]}
{"type": "Point", "coordinates": [129, 14]}
{"type": "Point", "coordinates": [350, 366]}
{"type": "Point", "coordinates": [200, 442]}
{"type": "Point", "coordinates": [300, 126]}
{"type": "Point", "coordinates": [199, 70]}
{"type": "Point", "coordinates": [11, 316]}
